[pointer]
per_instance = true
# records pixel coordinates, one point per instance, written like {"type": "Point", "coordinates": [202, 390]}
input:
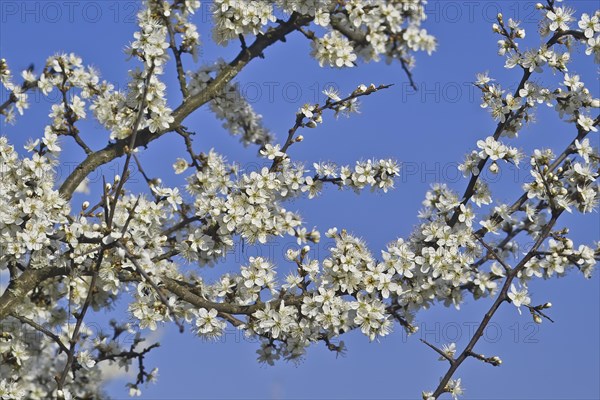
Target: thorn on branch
{"type": "Point", "coordinates": [409, 75]}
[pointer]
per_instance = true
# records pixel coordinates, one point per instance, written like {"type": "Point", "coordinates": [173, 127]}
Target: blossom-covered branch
{"type": "Point", "coordinates": [66, 260]}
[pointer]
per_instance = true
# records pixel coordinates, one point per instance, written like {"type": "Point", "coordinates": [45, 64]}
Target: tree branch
{"type": "Point", "coordinates": [144, 137]}
{"type": "Point", "coordinates": [470, 190]}
{"type": "Point", "coordinates": [499, 300]}
{"type": "Point", "coordinates": [43, 330]}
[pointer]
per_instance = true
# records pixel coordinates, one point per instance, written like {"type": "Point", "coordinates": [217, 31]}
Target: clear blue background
{"type": "Point", "coordinates": [429, 131]}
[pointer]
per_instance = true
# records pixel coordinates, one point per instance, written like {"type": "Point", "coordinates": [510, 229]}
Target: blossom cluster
{"type": "Point", "coordinates": [238, 17]}
{"type": "Point", "coordinates": [151, 248]}
{"type": "Point", "coordinates": [366, 29]}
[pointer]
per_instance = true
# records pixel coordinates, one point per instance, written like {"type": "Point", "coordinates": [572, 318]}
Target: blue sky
{"type": "Point", "coordinates": [428, 131]}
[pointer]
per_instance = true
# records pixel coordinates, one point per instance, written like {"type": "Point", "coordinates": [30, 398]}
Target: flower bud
{"type": "Point", "coordinates": [494, 168]}
{"type": "Point", "coordinates": [85, 205]}
{"type": "Point", "coordinates": [537, 319]}
{"type": "Point", "coordinates": [332, 232]}
{"type": "Point", "coordinates": [291, 254]}
{"type": "Point", "coordinates": [315, 236]}
{"type": "Point", "coordinates": [496, 360]}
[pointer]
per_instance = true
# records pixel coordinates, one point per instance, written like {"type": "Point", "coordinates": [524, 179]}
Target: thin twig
{"type": "Point", "coordinates": [60, 380]}
{"type": "Point", "coordinates": [329, 105]}
{"type": "Point", "coordinates": [190, 104]}
{"type": "Point", "coordinates": [177, 54]}
{"type": "Point", "coordinates": [148, 279]}
{"type": "Point", "coordinates": [131, 147]}
{"type": "Point", "coordinates": [503, 296]}
{"type": "Point", "coordinates": [440, 352]}
{"type": "Point", "coordinates": [470, 190]}
{"type": "Point", "coordinates": [493, 253]}
{"type": "Point", "coordinates": [43, 330]}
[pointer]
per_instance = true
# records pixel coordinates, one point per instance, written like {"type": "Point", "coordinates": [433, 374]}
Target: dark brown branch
{"type": "Point", "coordinates": [493, 253]}
{"type": "Point", "coordinates": [503, 296]}
{"type": "Point", "coordinates": [440, 352]}
{"type": "Point", "coordinates": [329, 105]}
{"type": "Point", "coordinates": [148, 279]}
{"type": "Point", "coordinates": [43, 330]}
{"type": "Point", "coordinates": [470, 190]}
{"type": "Point", "coordinates": [25, 283]}
{"type": "Point", "coordinates": [60, 379]}
{"type": "Point", "coordinates": [129, 149]}
{"type": "Point", "coordinates": [177, 54]}
{"type": "Point", "coordinates": [538, 310]}
{"type": "Point", "coordinates": [144, 137]}
{"type": "Point", "coordinates": [70, 115]}
{"type": "Point", "coordinates": [409, 74]}
{"type": "Point", "coordinates": [495, 361]}
{"type": "Point", "coordinates": [12, 98]}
